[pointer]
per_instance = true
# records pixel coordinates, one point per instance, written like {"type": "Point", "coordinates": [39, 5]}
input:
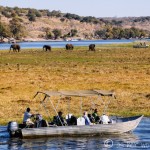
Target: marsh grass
{"type": "Point", "coordinates": [114, 67]}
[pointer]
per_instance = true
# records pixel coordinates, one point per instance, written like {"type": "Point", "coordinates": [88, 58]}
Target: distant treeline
{"type": "Point", "coordinates": [112, 29]}
{"type": "Point", "coordinates": [118, 33]}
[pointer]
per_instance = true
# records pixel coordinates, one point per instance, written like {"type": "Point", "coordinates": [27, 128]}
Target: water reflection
{"type": "Point", "coordinates": [72, 143]}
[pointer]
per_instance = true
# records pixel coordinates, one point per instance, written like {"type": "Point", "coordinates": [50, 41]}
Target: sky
{"type": "Point", "coordinates": [96, 8]}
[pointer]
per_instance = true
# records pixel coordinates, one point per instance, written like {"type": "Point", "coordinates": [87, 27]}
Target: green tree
{"type": "Point", "coordinates": [73, 32]}
{"type": "Point", "coordinates": [38, 14]}
{"type": "Point", "coordinates": [48, 33]}
{"type": "Point", "coordinates": [4, 31]}
{"type": "Point", "coordinates": [100, 33]}
{"type": "Point", "coordinates": [16, 28]}
{"type": "Point", "coordinates": [57, 33]}
{"type": "Point", "coordinates": [72, 16]}
{"type": "Point", "coordinates": [54, 13]}
{"type": "Point", "coordinates": [32, 17]}
{"type": "Point", "coordinates": [122, 34]}
{"type": "Point", "coordinates": [116, 33]}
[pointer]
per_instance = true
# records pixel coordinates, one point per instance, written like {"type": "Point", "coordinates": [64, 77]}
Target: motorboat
{"type": "Point", "coordinates": [118, 125]}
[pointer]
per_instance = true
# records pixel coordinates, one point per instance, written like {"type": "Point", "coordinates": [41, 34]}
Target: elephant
{"type": "Point", "coordinates": [15, 47]}
{"type": "Point", "coordinates": [92, 47]}
{"type": "Point", "coordinates": [47, 47]}
{"type": "Point", "coordinates": [69, 47]}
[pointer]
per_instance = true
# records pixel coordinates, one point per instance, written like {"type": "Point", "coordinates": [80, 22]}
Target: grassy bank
{"type": "Point", "coordinates": [114, 67]}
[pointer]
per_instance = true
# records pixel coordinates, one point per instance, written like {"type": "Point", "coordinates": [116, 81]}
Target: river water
{"type": "Point", "coordinates": [138, 139]}
{"type": "Point", "coordinates": [63, 43]}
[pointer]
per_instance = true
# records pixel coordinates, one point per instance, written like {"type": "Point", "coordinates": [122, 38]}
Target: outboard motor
{"type": "Point", "coordinates": [13, 129]}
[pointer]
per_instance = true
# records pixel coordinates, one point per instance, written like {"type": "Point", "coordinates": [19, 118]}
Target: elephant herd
{"type": "Point", "coordinates": [17, 48]}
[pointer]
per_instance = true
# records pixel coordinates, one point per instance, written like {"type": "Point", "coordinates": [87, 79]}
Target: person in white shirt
{"type": "Point", "coordinates": [104, 119]}
{"type": "Point", "coordinates": [27, 116]}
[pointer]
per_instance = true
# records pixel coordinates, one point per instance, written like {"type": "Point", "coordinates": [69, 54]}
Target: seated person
{"type": "Point", "coordinates": [72, 120]}
{"type": "Point", "coordinates": [91, 118]}
{"type": "Point", "coordinates": [40, 122]}
{"type": "Point", "coordinates": [104, 119]}
{"type": "Point", "coordinates": [95, 115]}
{"type": "Point", "coordinates": [26, 118]}
{"type": "Point", "coordinates": [80, 121]}
{"type": "Point", "coordinates": [87, 120]}
{"type": "Point", "coordinates": [60, 120]}
{"type": "Point", "coordinates": [54, 120]}
{"type": "Point", "coordinates": [68, 117]}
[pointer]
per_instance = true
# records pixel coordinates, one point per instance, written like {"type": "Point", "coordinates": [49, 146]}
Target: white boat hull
{"type": "Point", "coordinates": [122, 126]}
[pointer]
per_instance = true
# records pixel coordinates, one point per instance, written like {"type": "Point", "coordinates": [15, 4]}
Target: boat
{"type": "Point", "coordinates": [74, 40]}
{"type": "Point", "coordinates": [118, 125]}
{"type": "Point", "coordinates": [140, 46]}
{"type": "Point", "coordinates": [12, 41]}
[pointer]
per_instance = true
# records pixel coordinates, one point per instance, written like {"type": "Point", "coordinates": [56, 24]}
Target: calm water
{"type": "Point", "coordinates": [63, 43]}
{"type": "Point", "coordinates": [139, 139]}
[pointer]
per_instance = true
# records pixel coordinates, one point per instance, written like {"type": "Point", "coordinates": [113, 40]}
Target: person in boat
{"type": "Point", "coordinates": [60, 120]}
{"type": "Point", "coordinates": [104, 119]}
{"type": "Point", "coordinates": [39, 121]}
{"type": "Point", "coordinates": [95, 115]}
{"type": "Point", "coordinates": [91, 118]}
{"type": "Point", "coordinates": [27, 118]}
{"type": "Point", "coordinates": [71, 119]}
{"type": "Point", "coordinates": [87, 120]}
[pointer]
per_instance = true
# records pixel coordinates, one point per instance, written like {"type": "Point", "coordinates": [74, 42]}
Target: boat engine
{"type": "Point", "coordinates": [13, 129]}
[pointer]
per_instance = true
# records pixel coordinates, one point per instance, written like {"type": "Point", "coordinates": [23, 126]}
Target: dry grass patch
{"type": "Point", "coordinates": [125, 70]}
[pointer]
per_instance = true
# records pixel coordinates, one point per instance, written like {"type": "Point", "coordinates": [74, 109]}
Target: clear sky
{"type": "Point", "coordinates": [97, 8]}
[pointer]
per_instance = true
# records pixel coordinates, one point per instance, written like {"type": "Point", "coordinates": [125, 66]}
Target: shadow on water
{"type": "Point", "coordinates": [139, 139]}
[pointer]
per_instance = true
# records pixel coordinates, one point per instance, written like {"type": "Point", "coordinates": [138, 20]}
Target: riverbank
{"type": "Point", "coordinates": [111, 67]}
{"type": "Point", "coordinates": [69, 40]}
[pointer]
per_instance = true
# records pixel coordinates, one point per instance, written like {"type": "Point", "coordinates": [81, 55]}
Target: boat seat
{"type": "Point", "coordinates": [80, 121]}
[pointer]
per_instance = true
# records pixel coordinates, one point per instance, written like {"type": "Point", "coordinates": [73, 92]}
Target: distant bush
{"type": "Point", "coordinates": [90, 19]}
{"type": "Point", "coordinates": [54, 13]}
{"type": "Point", "coordinates": [6, 14]}
{"type": "Point", "coordinates": [73, 32]}
{"type": "Point", "coordinates": [32, 17]}
{"type": "Point", "coordinates": [72, 16]}
{"type": "Point", "coordinates": [38, 14]}
{"type": "Point", "coordinates": [57, 33]}
{"type": "Point", "coordinates": [115, 22]}
{"type": "Point", "coordinates": [142, 19]}
{"type": "Point", "coordinates": [62, 19]}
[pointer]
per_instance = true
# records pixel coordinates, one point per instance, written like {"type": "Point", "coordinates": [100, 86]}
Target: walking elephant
{"type": "Point", "coordinates": [47, 47]}
{"type": "Point", "coordinates": [69, 47]}
{"type": "Point", "coordinates": [92, 47]}
{"type": "Point", "coordinates": [15, 47]}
